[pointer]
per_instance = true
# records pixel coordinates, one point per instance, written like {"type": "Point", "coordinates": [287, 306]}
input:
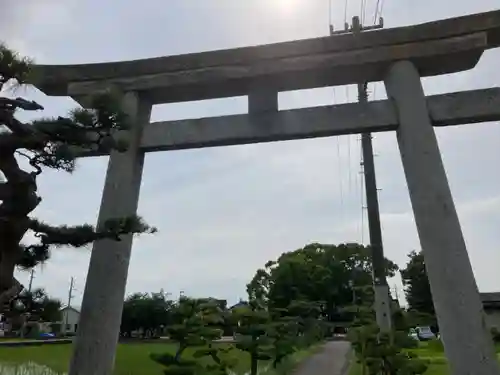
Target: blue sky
{"type": "Point", "coordinates": [223, 212]}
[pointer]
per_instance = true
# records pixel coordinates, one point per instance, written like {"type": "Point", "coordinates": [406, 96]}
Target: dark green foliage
{"type": "Point", "coordinates": [417, 318]}
{"type": "Point", "coordinates": [31, 330]}
{"type": "Point", "coordinates": [13, 67]}
{"type": "Point", "coordinates": [36, 305]}
{"type": "Point", "coordinates": [403, 340]}
{"type": "Point", "coordinates": [306, 316]}
{"type": "Point", "coordinates": [319, 273]}
{"type": "Point", "coordinates": [195, 324]}
{"type": "Point", "coordinates": [400, 320]}
{"type": "Point", "coordinates": [495, 333]}
{"type": "Point", "coordinates": [283, 334]}
{"type": "Point", "coordinates": [145, 312]}
{"type": "Point", "coordinates": [417, 287]}
{"type": "Point", "coordinates": [223, 362]}
{"type": "Point", "coordinates": [252, 325]}
{"type": "Point", "coordinates": [276, 334]}
{"type": "Point", "coordinates": [48, 143]}
{"type": "Point", "coordinates": [175, 364]}
{"type": "Point", "coordinates": [380, 354]}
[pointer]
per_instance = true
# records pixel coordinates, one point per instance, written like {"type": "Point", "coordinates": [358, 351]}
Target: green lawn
{"type": "Point", "coordinates": [131, 359]}
{"type": "Point", "coordinates": [438, 364]}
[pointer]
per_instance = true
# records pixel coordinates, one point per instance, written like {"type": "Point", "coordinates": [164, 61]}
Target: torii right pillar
{"type": "Point", "coordinates": [467, 342]}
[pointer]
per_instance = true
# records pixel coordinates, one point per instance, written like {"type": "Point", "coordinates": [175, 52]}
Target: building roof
{"type": "Point", "coordinates": [490, 297]}
{"type": "Point", "coordinates": [239, 304]}
{"type": "Point", "coordinates": [70, 308]}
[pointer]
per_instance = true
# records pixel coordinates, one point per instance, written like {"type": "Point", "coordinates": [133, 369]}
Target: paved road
{"type": "Point", "coordinates": [331, 360]}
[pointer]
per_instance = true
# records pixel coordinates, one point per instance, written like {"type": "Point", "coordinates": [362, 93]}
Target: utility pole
{"type": "Point", "coordinates": [26, 315]}
{"type": "Point", "coordinates": [32, 275]}
{"type": "Point", "coordinates": [70, 297]}
{"type": "Point", "coordinates": [380, 286]}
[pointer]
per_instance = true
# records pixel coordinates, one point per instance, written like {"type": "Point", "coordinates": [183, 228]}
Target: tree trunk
{"type": "Point", "coordinates": [11, 233]}
{"type": "Point", "coordinates": [254, 362]}
{"type": "Point", "coordinates": [9, 286]}
{"type": "Point", "coordinates": [7, 267]}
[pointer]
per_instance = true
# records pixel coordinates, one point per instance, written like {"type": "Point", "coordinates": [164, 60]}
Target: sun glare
{"type": "Point", "coordinates": [284, 6]}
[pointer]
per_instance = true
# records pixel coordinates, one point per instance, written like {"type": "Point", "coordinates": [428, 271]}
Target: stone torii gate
{"type": "Point", "coordinates": [398, 56]}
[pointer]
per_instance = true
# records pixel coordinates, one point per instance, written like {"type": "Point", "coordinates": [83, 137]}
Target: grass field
{"type": "Point", "coordinates": [131, 359]}
{"type": "Point", "coordinates": [438, 364]}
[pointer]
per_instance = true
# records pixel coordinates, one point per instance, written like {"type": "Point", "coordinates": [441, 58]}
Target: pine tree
{"type": "Point", "coordinates": [252, 326]}
{"type": "Point", "coordinates": [47, 143]}
{"type": "Point", "coordinates": [197, 326]}
{"type": "Point", "coordinates": [416, 283]}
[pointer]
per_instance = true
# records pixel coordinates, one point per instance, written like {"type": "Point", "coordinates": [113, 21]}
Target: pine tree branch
{"type": "Point", "coordinates": [48, 143]}
{"type": "Point", "coordinates": [81, 235]}
{"type": "Point", "coordinates": [10, 294]}
{"type": "Point", "coordinates": [13, 67]}
{"type": "Point", "coordinates": [11, 142]}
{"type": "Point", "coordinates": [75, 236]}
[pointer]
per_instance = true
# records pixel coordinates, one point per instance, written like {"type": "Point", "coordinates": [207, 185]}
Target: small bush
{"type": "Point", "coordinates": [495, 333]}
{"type": "Point", "coordinates": [32, 330]}
{"type": "Point", "coordinates": [402, 340]}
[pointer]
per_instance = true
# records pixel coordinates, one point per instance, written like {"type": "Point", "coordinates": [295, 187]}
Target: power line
{"type": "Point", "coordinates": [362, 11]}
{"type": "Point", "coordinates": [348, 144]}
{"type": "Point", "coordinates": [330, 13]}
{"type": "Point", "coordinates": [337, 141]}
{"type": "Point", "coordinates": [70, 297]}
{"type": "Point", "coordinates": [381, 7]}
{"type": "Point", "coordinates": [377, 7]}
{"type": "Point", "coordinates": [345, 11]}
{"type": "Point", "coordinates": [378, 13]}
{"type": "Point", "coordinates": [341, 192]}
{"type": "Point", "coordinates": [361, 189]}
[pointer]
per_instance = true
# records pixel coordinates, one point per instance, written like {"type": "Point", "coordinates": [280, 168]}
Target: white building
{"type": "Point", "coordinates": [70, 317]}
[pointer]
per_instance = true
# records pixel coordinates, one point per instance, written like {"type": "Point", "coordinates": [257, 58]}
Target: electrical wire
{"type": "Point", "coordinates": [377, 10]}
{"type": "Point", "coordinates": [381, 8]}
{"type": "Point", "coordinates": [341, 190]}
{"type": "Point", "coordinates": [348, 145]}
{"type": "Point", "coordinates": [337, 139]}
{"type": "Point", "coordinates": [362, 12]}
{"type": "Point", "coordinates": [339, 166]}
{"type": "Point", "coordinates": [346, 3]}
{"type": "Point", "coordinates": [330, 13]}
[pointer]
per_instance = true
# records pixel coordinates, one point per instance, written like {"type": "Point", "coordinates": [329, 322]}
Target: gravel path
{"type": "Point", "coordinates": [332, 359]}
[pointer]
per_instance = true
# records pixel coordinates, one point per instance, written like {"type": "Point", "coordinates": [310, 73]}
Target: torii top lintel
{"type": "Point", "coordinates": [439, 47]}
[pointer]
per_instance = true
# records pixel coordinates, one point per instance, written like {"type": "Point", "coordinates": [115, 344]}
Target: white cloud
{"type": "Point", "coordinates": [27, 25]}
{"type": "Point", "coordinates": [224, 212]}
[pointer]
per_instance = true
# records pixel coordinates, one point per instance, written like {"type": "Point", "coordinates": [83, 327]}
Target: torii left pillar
{"type": "Point", "coordinates": [102, 306]}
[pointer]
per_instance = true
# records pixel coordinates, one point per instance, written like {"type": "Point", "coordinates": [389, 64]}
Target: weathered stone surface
{"type": "Point", "coordinates": [436, 48]}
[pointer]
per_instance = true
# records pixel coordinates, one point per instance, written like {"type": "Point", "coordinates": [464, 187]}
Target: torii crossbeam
{"type": "Point", "coordinates": [398, 56]}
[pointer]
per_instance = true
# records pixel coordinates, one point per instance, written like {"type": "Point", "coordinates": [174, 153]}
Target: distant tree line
{"type": "Point", "coordinates": [325, 276]}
